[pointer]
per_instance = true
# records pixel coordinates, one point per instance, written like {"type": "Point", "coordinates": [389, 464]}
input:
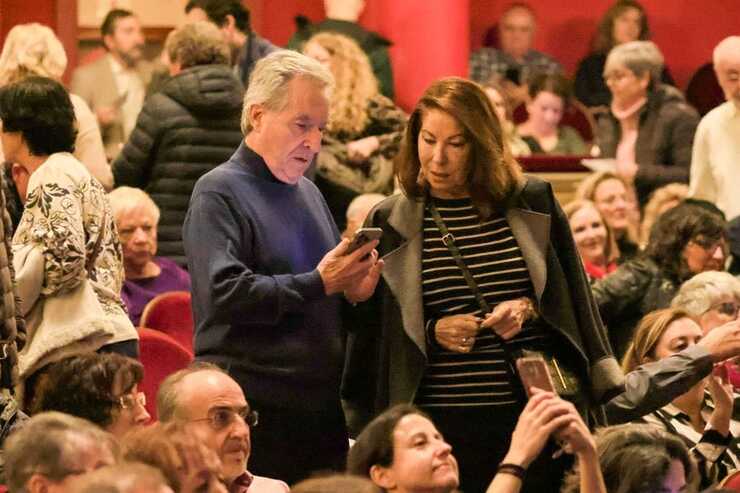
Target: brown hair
{"type": "Point", "coordinates": [555, 83]}
{"type": "Point", "coordinates": [647, 334]}
{"type": "Point", "coordinates": [493, 175]}
{"type": "Point", "coordinates": [604, 40]}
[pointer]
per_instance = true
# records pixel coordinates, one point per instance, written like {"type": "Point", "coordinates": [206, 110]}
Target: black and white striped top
{"type": "Point", "coordinates": [491, 253]}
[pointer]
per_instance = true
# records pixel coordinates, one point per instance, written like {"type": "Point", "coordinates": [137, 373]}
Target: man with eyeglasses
{"type": "Point", "coordinates": [52, 449]}
{"type": "Point", "coordinates": [213, 406]}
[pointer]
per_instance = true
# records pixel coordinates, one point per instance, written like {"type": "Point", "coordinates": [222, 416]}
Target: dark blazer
{"type": "Point", "coordinates": [387, 347]}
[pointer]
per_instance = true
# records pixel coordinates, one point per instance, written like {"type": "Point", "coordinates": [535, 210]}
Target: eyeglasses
{"type": "Point", "coordinates": [710, 244]}
{"type": "Point", "coordinates": [728, 308]}
{"type": "Point", "coordinates": [220, 418]}
{"type": "Point", "coordinates": [129, 401]}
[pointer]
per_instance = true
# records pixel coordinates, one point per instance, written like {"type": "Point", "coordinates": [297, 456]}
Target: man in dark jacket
{"type": "Point", "coordinates": [232, 18]}
{"type": "Point", "coordinates": [185, 130]}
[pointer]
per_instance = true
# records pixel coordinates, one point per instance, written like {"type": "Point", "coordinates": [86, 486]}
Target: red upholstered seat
{"type": "Point", "coordinates": [161, 356]}
{"type": "Point", "coordinates": [576, 115]}
{"type": "Point", "coordinates": [704, 91]}
{"type": "Point", "coordinates": [731, 482]}
{"type": "Point", "coordinates": [172, 314]}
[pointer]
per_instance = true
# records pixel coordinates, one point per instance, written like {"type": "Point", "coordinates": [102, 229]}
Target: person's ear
{"type": "Point", "coordinates": [174, 68]}
{"type": "Point", "coordinates": [37, 483]}
{"type": "Point", "coordinates": [108, 41]}
{"type": "Point", "coordinates": [383, 477]}
{"type": "Point", "coordinates": [256, 115]}
{"type": "Point", "coordinates": [17, 171]}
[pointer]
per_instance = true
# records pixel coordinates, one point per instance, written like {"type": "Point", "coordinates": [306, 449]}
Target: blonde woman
{"type": "Point", "coordinates": [594, 239]}
{"type": "Point", "coordinates": [660, 201]}
{"type": "Point", "coordinates": [364, 129]}
{"type": "Point", "coordinates": [34, 49]}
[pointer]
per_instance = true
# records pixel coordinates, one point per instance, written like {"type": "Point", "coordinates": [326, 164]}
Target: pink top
{"type": "Point", "coordinates": [628, 120]}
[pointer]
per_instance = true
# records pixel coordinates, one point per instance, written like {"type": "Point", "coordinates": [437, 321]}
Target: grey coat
{"type": "Point", "coordinates": [387, 347]}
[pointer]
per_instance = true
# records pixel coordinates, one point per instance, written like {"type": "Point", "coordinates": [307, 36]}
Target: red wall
{"type": "Point", "coordinates": [685, 30]}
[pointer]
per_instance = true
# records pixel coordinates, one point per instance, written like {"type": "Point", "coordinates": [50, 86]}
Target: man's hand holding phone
{"type": "Point", "coordinates": [352, 267]}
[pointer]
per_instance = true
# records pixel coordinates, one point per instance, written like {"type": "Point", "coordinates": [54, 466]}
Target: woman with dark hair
{"type": "Point", "coordinates": [431, 337]}
{"type": "Point", "coordinates": [549, 95]}
{"type": "Point", "coordinates": [102, 388]}
{"type": "Point", "coordinates": [686, 240]}
{"type": "Point", "coordinates": [638, 458]}
{"type": "Point", "coordinates": [649, 127]}
{"type": "Point", "coordinates": [67, 257]}
{"type": "Point", "coordinates": [701, 417]}
{"type": "Point", "coordinates": [623, 22]}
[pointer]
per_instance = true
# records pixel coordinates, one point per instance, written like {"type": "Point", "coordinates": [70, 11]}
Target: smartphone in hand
{"type": "Point", "coordinates": [362, 236]}
{"type": "Point", "coordinates": [533, 372]}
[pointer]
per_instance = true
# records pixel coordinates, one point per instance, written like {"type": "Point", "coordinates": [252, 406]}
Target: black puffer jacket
{"type": "Point", "coordinates": [184, 131]}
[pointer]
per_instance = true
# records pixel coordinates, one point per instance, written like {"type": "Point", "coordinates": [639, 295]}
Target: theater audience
{"type": "Point", "coordinates": [624, 21]}
{"type": "Point", "coordinates": [102, 388]}
{"type": "Point", "coordinates": [186, 129]}
{"type": "Point", "coordinates": [661, 200]}
{"type": "Point", "coordinates": [594, 239]}
{"type": "Point", "coordinates": [650, 127]}
{"type": "Point", "coordinates": [34, 49]}
{"type": "Point", "coordinates": [114, 86]}
{"type": "Point", "coordinates": [716, 148]}
{"type": "Point", "coordinates": [637, 458]}
{"type": "Point", "coordinates": [147, 276]}
{"type": "Point", "coordinates": [210, 404]}
{"type": "Point", "coordinates": [52, 450]}
{"type": "Point", "coordinates": [67, 257]}
{"type": "Point", "coordinates": [187, 464]}
{"type": "Point", "coordinates": [342, 17]}
{"type": "Point", "coordinates": [614, 198]}
{"type": "Point", "coordinates": [515, 60]}
{"type": "Point", "coordinates": [364, 130]}
{"type": "Point", "coordinates": [685, 241]}
{"type": "Point", "coordinates": [358, 210]}
{"type": "Point", "coordinates": [704, 422]}
{"type": "Point", "coordinates": [424, 337]}
{"type": "Point", "coordinates": [502, 106]}
{"type": "Point", "coordinates": [234, 21]}
{"type": "Point", "coordinates": [125, 477]}
{"type": "Point", "coordinates": [549, 94]}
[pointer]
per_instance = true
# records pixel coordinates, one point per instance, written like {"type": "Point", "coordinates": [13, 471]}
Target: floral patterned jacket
{"type": "Point", "coordinates": [69, 265]}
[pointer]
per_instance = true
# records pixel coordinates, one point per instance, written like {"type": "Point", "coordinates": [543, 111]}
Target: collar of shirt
{"type": "Point", "coordinates": [242, 483]}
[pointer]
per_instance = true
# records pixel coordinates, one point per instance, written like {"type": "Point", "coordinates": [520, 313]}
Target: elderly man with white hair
{"type": "Point", "coordinates": [716, 152]}
{"type": "Point", "coordinates": [268, 271]}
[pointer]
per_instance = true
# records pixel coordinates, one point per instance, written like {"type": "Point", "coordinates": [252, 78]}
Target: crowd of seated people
{"type": "Point", "coordinates": [479, 270]}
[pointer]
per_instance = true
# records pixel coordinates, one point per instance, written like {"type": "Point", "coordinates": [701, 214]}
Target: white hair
{"type": "Point", "coordinates": [125, 199]}
{"type": "Point", "coordinates": [730, 44]}
{"type": "Point", "coordinates": [31, 49]}
{"type": "Point", "coordinates": [268, 84]}
{"type": "Point", "coordinates": [701, 292]}
{"type": "Point", "coordinates": [640, 57]}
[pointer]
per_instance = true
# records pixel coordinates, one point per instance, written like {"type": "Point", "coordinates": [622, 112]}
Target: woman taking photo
{"type": "Point", "coordinates": [426, 337]}
{"type": "Point", "coordinates": [702, 417]}
{"type": "Point", "coordinates": [549, 94]}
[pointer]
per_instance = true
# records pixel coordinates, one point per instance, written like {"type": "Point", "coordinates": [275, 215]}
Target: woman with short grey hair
{"type": "Point", "coordinates": [712, 298]}
{"type": "Point", "coordinates": [649, 127]}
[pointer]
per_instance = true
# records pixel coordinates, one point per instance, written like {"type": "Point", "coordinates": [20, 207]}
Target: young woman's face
{"type": "Point", "coordinates": [499, 105]}
{"type": "Point", "coordinates": [589, 233]}
{"type": "Point", "coordinates": [546, 111]}
{"type": "Point", "coordinates": [679, 335]}
{"type": "Point", "coordinates": [422, 460]}
{"type": "Point", "coordinates": [627, 26]}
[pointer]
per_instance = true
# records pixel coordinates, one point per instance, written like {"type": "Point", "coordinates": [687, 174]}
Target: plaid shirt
{"type": "Point", "coordinates": [489, 61]}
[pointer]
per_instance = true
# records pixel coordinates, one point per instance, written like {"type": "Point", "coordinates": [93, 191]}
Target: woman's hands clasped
{"type": "Point", "coordinates": [508, 318]}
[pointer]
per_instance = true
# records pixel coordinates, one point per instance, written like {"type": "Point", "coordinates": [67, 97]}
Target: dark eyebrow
{"type": "Point", "coordinates": [461, 134]}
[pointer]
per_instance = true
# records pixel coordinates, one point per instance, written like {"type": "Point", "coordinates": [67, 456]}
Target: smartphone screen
{"type": "Point", "coordinates": [362, 236]}
{"type": "Point", "coordinates": [534, 373]}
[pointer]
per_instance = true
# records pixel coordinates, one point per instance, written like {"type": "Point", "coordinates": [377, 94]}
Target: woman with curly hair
{"type": "Point", "coordinates": [102, 388]}
{"type": "Point", "coordinates": [685, 241]}
{"type": "Point", "coordinates": [625, 21]}
{"type": "Point", "coordinates": [364, 129]}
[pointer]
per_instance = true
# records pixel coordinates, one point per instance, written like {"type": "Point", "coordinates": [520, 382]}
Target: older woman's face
{"type": "Point", "coordinates": [611, 199]}
{"type": "Point", "coordinates": [627, 26]}
{"type": "Point", "coordinates": [422, 460]}
{"type": "Point", "coordinates": [704, 254]}
{"type": "Point", "coordinates": [137, 230]}
{"type": "Point", "coordinates": [589, 233]}
{"type": "Point", "coordinates": [130, 412]}
{"type": "Point", "coordinates": [626, 86]}
{"type": "Point", "coordinates": [723, 310]}
{"type": "Point", "coordinates": [546, 111]}
{"type": "Point", "coordinates": [679, 335]}
{"type": "Point", "coordinates": [444, 152]}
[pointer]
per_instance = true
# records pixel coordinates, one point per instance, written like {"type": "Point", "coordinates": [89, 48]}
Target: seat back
{"type": "Point", "coordinates": [576, 115]}
{"type": "Point", "coordinates": [161, 356]}
{"type": "Point", "coordinates": [172, 314]}
{"type": "Point", "coordinates": [703, 91]}
{"type": "Point", "coordinates": [731, 481]}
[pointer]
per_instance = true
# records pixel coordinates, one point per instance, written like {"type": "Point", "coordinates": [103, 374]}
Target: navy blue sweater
{"type": "Point", "coordinates": [253, 244]}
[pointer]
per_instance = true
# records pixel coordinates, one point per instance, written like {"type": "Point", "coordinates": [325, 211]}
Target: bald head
{"type": "Point", "coordinates": [516, 30]}
{"type": "Point", "coordinates": [727, 67]}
